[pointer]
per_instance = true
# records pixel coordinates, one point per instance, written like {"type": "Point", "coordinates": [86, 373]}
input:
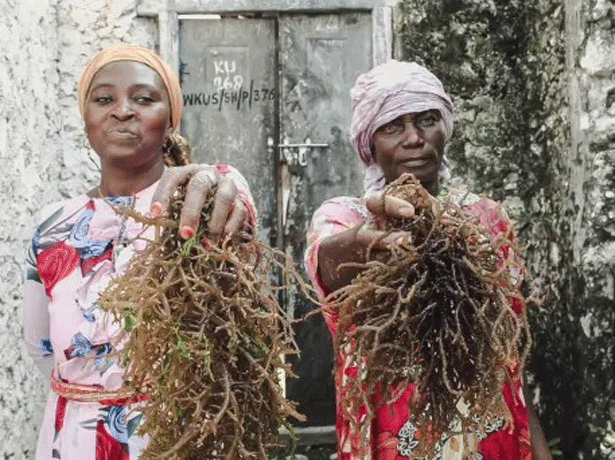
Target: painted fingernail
{"type": "Point", "coordinates": [155, 209]}
{"type": "Point", "coordinates": [186, 232]}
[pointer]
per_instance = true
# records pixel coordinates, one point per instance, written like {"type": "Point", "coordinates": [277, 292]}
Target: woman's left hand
{"type": "Point", "coordinates": [229, 216]}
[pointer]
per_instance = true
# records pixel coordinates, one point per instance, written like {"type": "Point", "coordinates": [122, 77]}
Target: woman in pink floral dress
{"type": "Point", "coordinates": [402, 118]}
{"type": "Point", "coordinates": [131, 104]}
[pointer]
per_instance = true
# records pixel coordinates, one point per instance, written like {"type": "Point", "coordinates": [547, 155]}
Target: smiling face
{"type": "Point", "coordinates": [127, 115]}
{"type": "Point", "coordinates": [412, 143]}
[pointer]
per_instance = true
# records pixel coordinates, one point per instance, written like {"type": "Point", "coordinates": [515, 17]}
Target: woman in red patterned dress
{"type": "Point", "coordinates": [402, 118]}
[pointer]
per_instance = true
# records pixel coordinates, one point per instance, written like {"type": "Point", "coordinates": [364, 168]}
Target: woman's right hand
{"type": "Point", "coordinates": [361, 243]}
{"type": "Point", "coordinates": [383, 208]}
{"type": "Point", "coordinates": [230, 214]}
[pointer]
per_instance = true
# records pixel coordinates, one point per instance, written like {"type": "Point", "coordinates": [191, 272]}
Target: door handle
{"type": "Point", "coordinates": [298, 155]}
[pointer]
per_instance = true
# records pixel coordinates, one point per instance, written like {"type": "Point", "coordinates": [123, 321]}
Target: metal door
{"type": "Point", "coordinates": [271, 97]}
{"type": "Point", "coordinates": [320, 57]}
{"type": "Point", "coordinates": [228, 79]}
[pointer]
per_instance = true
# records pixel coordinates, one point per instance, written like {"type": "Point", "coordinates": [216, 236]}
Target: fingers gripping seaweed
{"type": "Point", "coordinates": [438, 315]}
{"type": "Point", "coordinates": [204, 339]}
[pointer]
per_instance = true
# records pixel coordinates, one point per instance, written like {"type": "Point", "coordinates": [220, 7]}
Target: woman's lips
{"type": "Point", "coordinates": [419, 162]}
{"type": "Point", "coordinates": [122, 134]}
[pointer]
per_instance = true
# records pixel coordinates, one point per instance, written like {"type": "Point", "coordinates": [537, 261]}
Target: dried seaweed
{"type": "Point", "coordinates": [436, 313]}
{"type": "Point", "coordinates": [204, 339]}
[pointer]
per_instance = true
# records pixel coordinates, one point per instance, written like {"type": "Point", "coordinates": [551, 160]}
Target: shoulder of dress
{"type": "Point", "coordinates": [62, 206]}
{"type": "Point", "coordinates": [343, 204]}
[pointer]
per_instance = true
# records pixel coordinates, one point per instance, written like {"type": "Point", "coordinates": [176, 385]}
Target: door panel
{"type": "Point", "coordinates": [227, 70]}
{"type": "Point", "coordinates": [320, 58]}
{"type": "Point", "coordinates": [232, 113]}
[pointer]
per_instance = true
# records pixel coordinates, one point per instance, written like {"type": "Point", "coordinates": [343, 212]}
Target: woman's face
{"type": "Point", "coordinates": [412, 143]}
{"type": "Point", "coordinates": [127, 114]}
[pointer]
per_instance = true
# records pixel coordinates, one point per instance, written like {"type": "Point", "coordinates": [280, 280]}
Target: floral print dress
{"type": "Point", "coordinates": [392, 435]}
{"type": "Point", "coordinates": [79, 245]}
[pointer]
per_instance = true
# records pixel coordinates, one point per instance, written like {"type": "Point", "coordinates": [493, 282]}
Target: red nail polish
{"type": "Point", "coordinates": [186, 232]}
{"type": "Point", "coordinates": [155, 209]}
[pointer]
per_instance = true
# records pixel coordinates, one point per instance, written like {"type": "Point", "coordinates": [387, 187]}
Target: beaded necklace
{"type": "Point", "coordinates": [118, 241]}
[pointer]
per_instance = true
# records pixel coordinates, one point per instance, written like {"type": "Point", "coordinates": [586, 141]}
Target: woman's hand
{"type": "Point", "coordinates": [229, 216]}
{"type": "Point", "coordinates": [383, 207]}
{"type": "Point", "coordinates": [361, 243]}
{"type": "Point", "coordinates": [539, 446]}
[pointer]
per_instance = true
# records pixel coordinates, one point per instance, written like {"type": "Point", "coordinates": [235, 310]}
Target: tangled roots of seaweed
{"type": "Point", "coordinates": [204, 340]}
{"type": "Point", "coordinates": [438, 314]}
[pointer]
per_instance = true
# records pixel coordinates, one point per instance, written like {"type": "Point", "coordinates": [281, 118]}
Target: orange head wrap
{"type": "Point", "coordinates": [137, 54]}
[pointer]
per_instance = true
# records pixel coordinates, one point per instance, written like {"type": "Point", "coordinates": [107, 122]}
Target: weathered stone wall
{"type": "Point", "coordinates": [587, 215]}
{"type": "Point", "coordinates": [534, 86]}
{"type": "Point", "coordinates": [44, 44]}
{"type": "Point", "coordinates": [29, 134]}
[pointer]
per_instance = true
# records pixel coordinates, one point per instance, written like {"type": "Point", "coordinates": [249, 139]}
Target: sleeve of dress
{"type": "Point", "coordinates": [333, 216]}
{"type": "Point", "coordinates": [35, 315]}
{"type": "Point", "coordinates": [243, 189]}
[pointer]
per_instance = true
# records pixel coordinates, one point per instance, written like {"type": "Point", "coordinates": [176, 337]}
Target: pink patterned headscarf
{"type": "Point", "coordinates": [386, 92]}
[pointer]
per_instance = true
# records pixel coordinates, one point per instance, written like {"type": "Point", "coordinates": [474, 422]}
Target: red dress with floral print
{"type": "Point", "coordinates": [392, 435]}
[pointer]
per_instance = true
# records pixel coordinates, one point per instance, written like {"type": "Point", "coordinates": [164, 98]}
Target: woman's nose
{"type": "Point", "coordinates": [412, 135]}
{"type": "Point", "coordinates": [123, 109]}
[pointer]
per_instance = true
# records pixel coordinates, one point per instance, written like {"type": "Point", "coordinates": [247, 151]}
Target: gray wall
{"type": "Point", "coordinates": [43, 46]}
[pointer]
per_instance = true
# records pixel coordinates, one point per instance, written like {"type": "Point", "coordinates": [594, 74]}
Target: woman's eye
{"type": "Point", "coordinates": [144, 100]}
{"type": "Point", "coordinates": [103, 99]}
{"type": "Point", "coordinates": [427, 121]}
{"type": "Point", "coordinates": [392, 127]}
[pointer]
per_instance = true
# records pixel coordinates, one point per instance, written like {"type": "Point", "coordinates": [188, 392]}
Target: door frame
{"type": "Point", "coordinates": [169, 12]}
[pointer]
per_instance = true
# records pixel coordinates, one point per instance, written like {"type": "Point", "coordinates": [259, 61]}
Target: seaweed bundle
{"type": "Point", "coordinates": [437, 312]}
{"type": "Point", "coordinates": [204, 339]}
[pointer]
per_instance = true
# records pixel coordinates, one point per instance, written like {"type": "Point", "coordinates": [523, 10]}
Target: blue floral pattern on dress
{"type": "Point", "coordinates": [45, 347]}
{"type": "Point", "coordinates": [79, 233]}
{"type": "Point", "coordinates": [88, 314]}
{"type": "Point", "coordinates": [102, 364]}
{"type": "Point", "coordinates": [78, 237]}
{"type": "Point", "coordinates": [95, 249]}
{"type": "Point", "coordinates": [116, 423]}
{"type": "Point", "coordinates": [119, 200]}
{"type": "Point", "coordinates": [36, 241]}
{"type": "Point", "coordinates": [104, 349]}
{"type": "Point", "coordinates": [101, 351]}
{"type": "Point", "coordinates": [80, 346]}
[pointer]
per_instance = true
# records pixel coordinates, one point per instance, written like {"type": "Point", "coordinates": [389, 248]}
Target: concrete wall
{"type": "Point", "coordinates": [29, 134]}
{"type": "Point", "coordinates": [44, 44]}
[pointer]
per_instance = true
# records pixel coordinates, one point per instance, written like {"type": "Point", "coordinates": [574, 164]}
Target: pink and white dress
{"type": "Point", "coordinates": [79, 245]}
{"type": "Point", "coordinates": [392, 435]}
